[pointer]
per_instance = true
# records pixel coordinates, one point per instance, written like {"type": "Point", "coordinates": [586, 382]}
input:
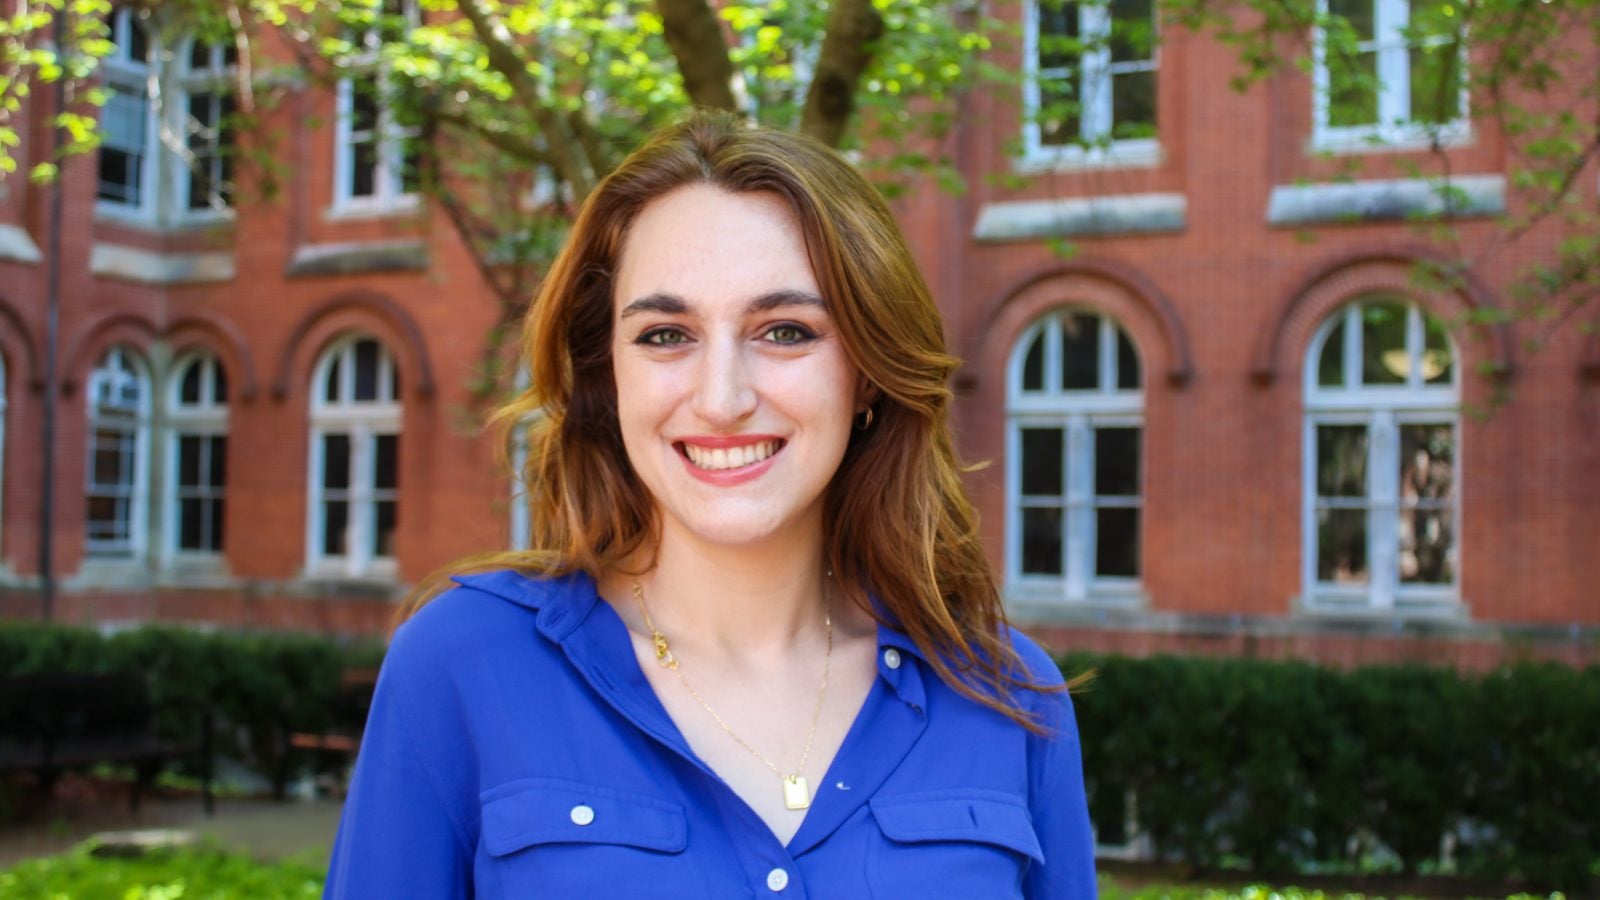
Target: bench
{"type": "Point", "coordinates": [56, 722]}
{"type": "Point", "coordinates": [333, 752]}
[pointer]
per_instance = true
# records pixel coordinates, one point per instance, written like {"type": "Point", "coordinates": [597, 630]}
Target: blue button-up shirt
{"type": "Point", "coordinates": [514, 749]}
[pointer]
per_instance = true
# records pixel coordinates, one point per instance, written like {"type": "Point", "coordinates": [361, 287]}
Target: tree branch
{"type": "Point", "coordinates": [847, 48]}
{"type": "Point", "coordinates": [506, 58]}
{"type": "Point", "coordinates": [697, 43]}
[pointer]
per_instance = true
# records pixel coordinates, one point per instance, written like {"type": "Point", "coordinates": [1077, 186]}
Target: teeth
{"type": "Point", "coordinates": [731, 457]}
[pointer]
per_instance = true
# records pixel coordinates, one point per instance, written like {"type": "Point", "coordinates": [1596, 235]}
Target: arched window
{"type": "Point", "coordinates": [355, 460]}
{"type": "Point", "coordinates": [119, 442]}
{"type": "Point", "coordinates": [1382, 433]}
{"type": "Point", "coordinates": [197, 454]}
{"type": "Point", "coordinates": [1074, 479]}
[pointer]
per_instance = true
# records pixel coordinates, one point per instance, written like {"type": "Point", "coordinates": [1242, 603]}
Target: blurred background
{"type": "Point", "coordinates": [1276, 329]}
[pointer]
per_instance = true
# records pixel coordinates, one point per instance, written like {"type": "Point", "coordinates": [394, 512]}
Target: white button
{"type": "Point", "coordinates": [582, 815]}
{"type": "Point", "coordinates": [777, 879]}
{"type": "Point", "coordinates": [891, 658]}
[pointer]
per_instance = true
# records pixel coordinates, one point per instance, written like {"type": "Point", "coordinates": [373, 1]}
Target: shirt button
{"type": "Point", "coordinates": [582, 815]}
{"type": "Point", "coordinates": [891, 658]}
{"type": "Point", "coordinates": [777, 879]}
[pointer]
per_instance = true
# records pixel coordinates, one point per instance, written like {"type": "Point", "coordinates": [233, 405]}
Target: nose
{"type": "Point", "coordinates": [725, 393]}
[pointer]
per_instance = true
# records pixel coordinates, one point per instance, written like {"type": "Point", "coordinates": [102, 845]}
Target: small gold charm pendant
{"type": "Point", "coordinates": [796, 793]}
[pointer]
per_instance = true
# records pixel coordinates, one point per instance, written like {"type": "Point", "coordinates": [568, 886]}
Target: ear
{"type": "Point", "coordinates": [867, 394]}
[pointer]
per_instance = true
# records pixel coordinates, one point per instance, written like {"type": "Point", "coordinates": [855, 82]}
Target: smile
{"type": "Point", "coordinates": [720, 459]}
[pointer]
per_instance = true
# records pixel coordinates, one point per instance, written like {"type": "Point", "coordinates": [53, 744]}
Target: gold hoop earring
{"type": "Point", "coordinates": [866, 420]}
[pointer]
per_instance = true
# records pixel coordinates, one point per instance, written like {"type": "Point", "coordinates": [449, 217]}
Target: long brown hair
{"type": "Point", "coordinates": [897, 517]}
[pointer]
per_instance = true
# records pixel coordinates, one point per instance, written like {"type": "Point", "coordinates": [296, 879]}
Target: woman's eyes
{"type": "Point", "coordinates": [790, 333]}
{"type": "Point", "coordinates": [783, 334]}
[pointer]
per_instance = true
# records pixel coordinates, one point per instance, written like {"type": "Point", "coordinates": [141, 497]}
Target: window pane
{"type": "Point", "coordinates": [385, 473]}
{"type": "Point", "coordinates": [1128, 374]}
{"type": "Point", "coordinates": [1116, 552]}
{"type": "Point", "coordinates": [1341, 460]}
{"type": "Point", "coordinates": [1080, 352]}
{"type": "Point", "coordinates": [217, 468]}
{"type": "Point", "coordinates": [363, 108]}
{"type": "Point", "coordinates": [410, 166]}
{"type": "Point", "coordinates": [1352, 88]}
{"type": "Point", "coordinates": [219, 384]}
{"type": "Point", "coordinates": [1427, 537]}
{"type": "Point", "coordinates": [1133, 31]}
{"type": "Point", "coordinates": [1058, 34]}
{"type": "Point", "coordinates": [1041, 461]}
{"type": "Point", "coordinates": [1427, 463]}
{"type": "Point", "coordinates": [336, 461]}
{"type": "Point", "coordinates": [1435, 83]}
{"type": "Point", "coordinates": [189, 387]}
{"type": "Point", "coordinates": [1059, 111]}
{"type": "Point", "coordinates": [1330, 368]}
{"type": "Point", "coordinates": [331, 391]}
{"type": "Point", "coordinates": [1342, 546]}
{"type": "Point", "coordinates": [188, 460]}
{"type": "Point", "coordinates": [1357, 13]}
{"type": "Point", "coordinates": [1383, 344]}
{"type": "Point", "coordinates": [1133, 105]}
{"type": "Point", "coordinates": [1033, 365]}
{"type": "Point", "coordinates": [383, 534]}
{"type": "Point", "coordinates": [199, 55]}
{"type": "Point", "coordinates": [1041, 541]}
{"type": "Point", "coordinates": [335, 517]}
{"type": "Point", "coordinates": [363, 169]}
{"type": "Point", "coordinates": [190, 510]}
{"type": "Point", "coordinates": [366, 370]}
{"type": "Point", "coordinates": [1116, 462]}
{"type": "Point", "coordinates": [214, 520]}
{"type": "Point", "coordinates": [1436, 357]}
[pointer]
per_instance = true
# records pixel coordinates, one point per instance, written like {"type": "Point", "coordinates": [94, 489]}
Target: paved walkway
{"type": "Point", "coordinates": [262, 828]}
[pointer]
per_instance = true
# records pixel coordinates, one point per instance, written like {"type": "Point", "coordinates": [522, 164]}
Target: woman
{"type": "Point", "coordinates": [758, 649]}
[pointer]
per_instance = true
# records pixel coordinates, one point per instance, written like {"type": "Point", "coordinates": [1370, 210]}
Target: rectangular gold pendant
{"type": "Point", "coordinates": [796, 794]}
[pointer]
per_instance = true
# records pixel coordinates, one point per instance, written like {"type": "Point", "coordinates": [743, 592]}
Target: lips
{"type": "Point", "coordinates": [728, 456]}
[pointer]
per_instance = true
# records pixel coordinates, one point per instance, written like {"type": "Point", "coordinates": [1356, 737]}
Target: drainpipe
{"type": "Point", "coordinates": [52, 329]}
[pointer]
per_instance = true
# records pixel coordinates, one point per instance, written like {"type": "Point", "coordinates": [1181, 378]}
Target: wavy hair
{"type": "Point", "coordinates": [923, 562]}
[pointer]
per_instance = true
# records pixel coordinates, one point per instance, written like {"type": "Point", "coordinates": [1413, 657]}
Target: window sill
{"type": "Point", "coordinates": [1132, 154]}
{"type": "Point", "coordinates": [358, 211]}
{"type": "Point", "coordinates": [1390, 139]}
{"type": "Point", "coordinates": [109, 573]}
{"type": "Point", "coordinates": [196, 571]}
{"type": "Point", "coordinates": [150, 222]}
{"type": "Point", "coordinates": [1106, 604]}
{"type": "Point", "coordinates": [1442, 607]}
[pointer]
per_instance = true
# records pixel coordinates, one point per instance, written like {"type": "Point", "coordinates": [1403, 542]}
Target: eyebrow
{"type": "Point", "coordinates": [672, 305]}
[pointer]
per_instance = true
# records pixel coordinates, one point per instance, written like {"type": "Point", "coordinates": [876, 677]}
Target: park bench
{"type": "Point", "coordinates": [56, 722]}
{"type": "Point", "coordinates": [333, 751]}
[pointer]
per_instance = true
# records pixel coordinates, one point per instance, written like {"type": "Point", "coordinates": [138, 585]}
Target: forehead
{"type": "Point", "coordinates": [706, 245]}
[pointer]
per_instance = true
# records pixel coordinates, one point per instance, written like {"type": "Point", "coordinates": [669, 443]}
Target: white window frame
{"type": "Point", "coordinates": [214, 80]}
{"type": "Point", "coordinates": [1395, 129]}
{"type": "Point", "coordinates": [1383, 410]}
{"type": "Point", "coordinates": [206, 418]}
{"type": "Point", "coordinates": [1078, 413]}
{"type": "Point", "coordinates": [363, 421]}
{"type": "Point", "coordinates": [118, 364]}
{"type": "Point", "coordinates": [128, 75]}
{"type": "Point", "coordinates": [388, 178]}
{"type": "Point", "coordinates": [1094, 77]}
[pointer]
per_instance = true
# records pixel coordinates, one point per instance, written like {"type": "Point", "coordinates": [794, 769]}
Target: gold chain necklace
{"type": "Point", "coordinates": [796, 791]}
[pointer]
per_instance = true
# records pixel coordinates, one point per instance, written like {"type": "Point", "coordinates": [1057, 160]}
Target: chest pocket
{"type": "Point", "coordinates": [951, 843]}
{"type": "Point", "coordinates": [558, 838]}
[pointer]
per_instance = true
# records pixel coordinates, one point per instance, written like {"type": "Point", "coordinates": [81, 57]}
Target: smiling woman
{"type": "Point", "coordinates": [757, 646]}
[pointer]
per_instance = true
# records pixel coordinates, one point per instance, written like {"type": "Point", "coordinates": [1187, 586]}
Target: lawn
{"type": "Point", "coordinates": [212, 873]}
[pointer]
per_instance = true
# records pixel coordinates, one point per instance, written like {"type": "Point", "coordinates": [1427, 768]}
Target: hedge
{"type": "Point", "coordinates": [253, 689]}
{"type": "Point", "coordinates": [1285, 766]}
{"type": "Point", "coordinates": [1274, 765]}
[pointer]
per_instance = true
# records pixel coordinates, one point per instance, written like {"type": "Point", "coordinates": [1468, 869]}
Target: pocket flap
{"type": "Point", "coordinates": [967, 816]}
{"type": "Point", "coordinates": [532, 811]}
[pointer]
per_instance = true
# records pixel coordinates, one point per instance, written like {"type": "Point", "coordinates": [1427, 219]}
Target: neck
{"type": "Point", "coordinates": [741, 601]}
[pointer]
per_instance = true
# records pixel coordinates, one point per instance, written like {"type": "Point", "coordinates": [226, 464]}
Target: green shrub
{"type": "Point", "coordinates": [1285, 766]}
{"type": "Point", "coordinates": [205, 873]}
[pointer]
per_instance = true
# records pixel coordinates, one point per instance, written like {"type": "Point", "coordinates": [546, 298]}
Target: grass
{"type": "Point", "coordinates": [209, 872]}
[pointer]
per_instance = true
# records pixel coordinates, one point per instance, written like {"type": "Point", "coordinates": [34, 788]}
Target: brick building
{"type": "Point", "coordinates": [1231, 420]}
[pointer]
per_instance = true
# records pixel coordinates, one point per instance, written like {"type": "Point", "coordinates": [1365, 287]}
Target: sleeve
{"type": "Point", "coordinates": [1061, 818]}
{"type": "Point", "coordinates": [398, 836]}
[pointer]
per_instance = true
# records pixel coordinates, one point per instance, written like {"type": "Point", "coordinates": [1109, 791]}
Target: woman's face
{"type": "Point", "coordinates": [734, 394]}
